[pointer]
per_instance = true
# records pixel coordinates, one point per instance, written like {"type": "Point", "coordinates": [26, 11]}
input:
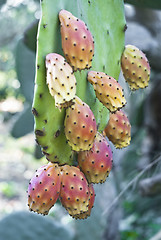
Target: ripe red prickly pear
{"type": "Point", "coordinates": [96, 163]}
{"type": "Point", "coordinates": [118, 129]}
{"type": "Point", "coordinates": [80, 126]}
{"type": "Point", "coordinates": [44, 187]}
{"type": "Point", "coordinates": [74, 192]}
{"type": "Point", "coordinates": [135, 67]}
{"type": "Point", "coordinates": [60, 79]}
{"type": "Point", "coordinates": [77, 41]}
{"type": "Point", "coordinates": [91, 204]}
{"type": "Point", "coordinates": [107, 90]}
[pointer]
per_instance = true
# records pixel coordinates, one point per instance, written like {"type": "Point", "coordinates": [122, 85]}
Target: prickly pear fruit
{"type": "Point", "coordinates": [80, 126]}
{"type": "Point", "coordinates": [44, 188]}
{"type": "Point", "coordinates": [96, 163]}
{"type": "Point", "coordinates": [77, 41]}
{"type": "Point", "coordinates": [135, 67]}
{"type": "Point", "coordinates": [91, 204]}
{"type": "Point", "coordinates": [60, 79]}
{"type": "Point", "coordinates": [74, 192]}
{"type": "Point", "coordinates": [107, 90]}
{"type": "Point", "coordinates": [118, 129]}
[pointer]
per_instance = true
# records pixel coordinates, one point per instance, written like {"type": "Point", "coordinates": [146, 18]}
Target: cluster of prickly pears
{"type": "Point", "coordinates": [67, 183]}
{"type": "Point", "coordinates": [74, 185]}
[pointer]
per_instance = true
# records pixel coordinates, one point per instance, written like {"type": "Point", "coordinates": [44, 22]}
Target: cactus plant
{"type": "Point", "coordinates": [60, 86]}
{"type": "Point", "coordinates": [109, 39]}
{"type": "Point", "coordinates": [58, 131]}
{"type": "Point", "coordinates": [59, 134]}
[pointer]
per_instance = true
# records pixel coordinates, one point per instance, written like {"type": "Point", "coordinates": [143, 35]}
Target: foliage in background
{"type": "Point", "coordinates": [145, 3]}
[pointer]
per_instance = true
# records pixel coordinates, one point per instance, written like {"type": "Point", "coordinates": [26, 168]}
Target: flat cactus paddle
{"type": "Point", "coordinates": [108, 48]}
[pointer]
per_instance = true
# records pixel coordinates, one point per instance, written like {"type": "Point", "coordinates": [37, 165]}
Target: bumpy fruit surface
{"type": "Point", "coordinates": [74, 192]}
{"type": "Point", "coordinates": [80, 126]}
{"type": "Point", "coordinates": [91, 204]}
{"type": "Point", "coordinates": [96, 163]}
{"type": "Point", "coordinates": [118, 129]}
{"type": "Point", "coordinates": [77, 41]}
{"type": "Point", "coordinates": [44, 188]}
{"type": "Point", "coordinates": [107, 90]}
{"type": "Point", "coordinates": [60, 79]}
{"type": "Point", "coordinates": [135, 67]}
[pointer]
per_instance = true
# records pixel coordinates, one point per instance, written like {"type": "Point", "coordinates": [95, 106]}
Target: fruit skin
{"type": "Point", "coordinates": [80, 126]}
{"type": "Point", "coordinates": [74, 191]}
{"type": "Point", "coordinates": [118, 129]}
{"type": "Point", "coordinates": [107, 90]}
{"type": "Point", "coordinates": [60, 80]}
{"type": "Point", "coordinates": [44, 187]}
{"type": "Point", "coordinates": [135, 67]}
{"type": "Point", "coordinates": [91, 204]}
{"type": "Point", "coordinates": [96, 163]}
{"type": "Point", "coordinates": [77, 41]}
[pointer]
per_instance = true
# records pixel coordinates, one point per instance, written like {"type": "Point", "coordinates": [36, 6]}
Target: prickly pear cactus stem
{"type": "Point", "coordinates": [108, 33]}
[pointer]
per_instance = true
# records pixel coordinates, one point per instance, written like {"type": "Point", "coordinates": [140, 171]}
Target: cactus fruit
{"type": "Point", "coordinates": [91, 204]}
{"type": "Point", "coordinates": [135, 67]}
{"type": "Point", "coordinates": [44, 188]}
{"type": "Point", "coordinates": [96, 163]}
{"type": "Point", "coordinates": [118, 129]}
{"type": "Point", "coordinates": [74, 191]}
{"type": "Point", "coordinates": [77, 41]}
{"type": "Point", "coordinates": [80, 126]}
{"type": "Point", "coordinates": [60, 79]}
{"type": "Point", "coordinates": [107, 90]}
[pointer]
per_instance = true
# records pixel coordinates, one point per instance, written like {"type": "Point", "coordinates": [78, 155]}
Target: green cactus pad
{"type": "Point", "coordinates": [28, 226]}
{"type": "Point", "coordinates": [108, 32]}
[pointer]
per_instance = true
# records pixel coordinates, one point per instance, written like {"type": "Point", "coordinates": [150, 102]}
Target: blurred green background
{"type": "Point", "coordinates": [128, 205]}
